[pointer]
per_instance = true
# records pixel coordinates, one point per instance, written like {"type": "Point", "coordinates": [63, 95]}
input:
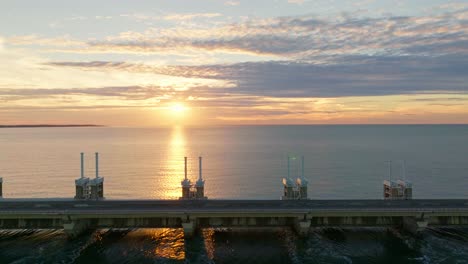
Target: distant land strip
{"type": "Point", "coordinates": [45, 125]}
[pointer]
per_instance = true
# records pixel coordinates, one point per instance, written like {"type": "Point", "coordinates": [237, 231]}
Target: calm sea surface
{"type": "Point", "coordinates": [238, 163]}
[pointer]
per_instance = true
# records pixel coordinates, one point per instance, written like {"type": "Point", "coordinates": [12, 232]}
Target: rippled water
{"type": "Point", "coordinates": [223, 246]}
{"type": "Point", "coordinates": [239, 162]}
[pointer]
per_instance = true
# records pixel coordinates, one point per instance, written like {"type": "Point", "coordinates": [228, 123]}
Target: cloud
{"type": "Point", "coordinates": [363, 3]}
{"type": "Point", "coordinates": [298, 2]}
{"type": "Point", "coordinates": [127, 92]}
{"type": "Point", "coordinates": [74, 18]}
{"type": "Point", "coordinates": [454, 6]}
{"type": "Point", "coordinates": [452, 99]}
{"type": "Point", "coordinates": [293, 68]}
{"type": "Point", "coordinates": [340, 58]}
{"type": "Point", "coordinates": [305, 36]}
{"type": "Point", "coordinates": [103, 17]}
{"type": "Point", "coordinates": [174, 17]}
{"type": "Point", "coordinates": [211, 72]}
{"type": "Point", "coordinates": [35, 40]}
{"type": "Point", "coordinates": [152, 97]}
{"type": "Point", "coordinates": [291, 38]}
{"type": "Point", "coordinates": [190, 16]}
{"type": "Point", "coordinates": [232, 3]}
{"type": "Point", "coordinates": [343, 76]}
{"type": "Point", "coordinates": [353, 77]}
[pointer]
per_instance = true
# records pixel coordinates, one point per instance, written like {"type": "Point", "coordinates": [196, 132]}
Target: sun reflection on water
{"type": "Point", "coordinates": [208, 238]}
{"type": "Point", "coordinates": [174, 167]}
{"type": "Point", "coordinates": [169, 243]}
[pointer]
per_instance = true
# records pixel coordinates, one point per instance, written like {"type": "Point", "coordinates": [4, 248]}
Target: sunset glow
{"type": "Point", "coordinates": [233, 62]}
{"type": "Point", "coordinates": [178, 108]}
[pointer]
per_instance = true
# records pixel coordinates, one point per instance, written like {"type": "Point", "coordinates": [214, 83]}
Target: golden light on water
{"type": "Point", "coordinates": [208, 238]}
{"type": "Point", "coordinates": [166, 243]}
{"type": "Point", "coordinates": [170, 243]}
{"type": "Point", "coordinates": [177, 144]}
{"type": "Point", "coordinates": [174, 167]}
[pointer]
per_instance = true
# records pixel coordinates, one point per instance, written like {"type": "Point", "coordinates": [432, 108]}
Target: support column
{"type": "Point", "coordinates": [415, 224]}
{"type": "Point", "coordinates": [74, 228]}
{"type": "Point", "coordinates": [302, 226]}
{"type": "Point", "coordinates": [189, 226]}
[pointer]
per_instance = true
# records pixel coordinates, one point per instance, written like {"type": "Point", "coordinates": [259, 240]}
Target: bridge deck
{"type": "Point", "coordinates": [103, 207]}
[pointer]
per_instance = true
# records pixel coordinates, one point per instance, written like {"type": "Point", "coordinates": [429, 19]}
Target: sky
{"type": "Point", "coordinates": [233, 62]}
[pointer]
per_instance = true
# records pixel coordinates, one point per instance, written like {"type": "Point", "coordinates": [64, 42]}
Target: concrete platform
{"type": "Point", "coordinates": [302, 215]}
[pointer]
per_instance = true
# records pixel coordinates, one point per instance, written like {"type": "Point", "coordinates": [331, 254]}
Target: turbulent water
{"type": "Point", "coordinates": [238, 162]}
{"type": "Point", "coordinates": [223, 246]}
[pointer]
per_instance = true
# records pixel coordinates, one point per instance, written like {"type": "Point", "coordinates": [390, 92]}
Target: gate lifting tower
{"type": "Point", "coordinates": [296, 191]}
{"type": "Point", "coordinates": [397, 190]}
{"type": "Point", "coordinates": [89, 188]}
{"type": "Point", "coordinates": [196, 191]}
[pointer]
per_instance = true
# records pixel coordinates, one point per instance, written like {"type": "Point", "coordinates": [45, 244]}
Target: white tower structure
{"type": "Point", "coordinates": [397, 190]}
{"type": "Point", "coordinates": [193, 191]}
{"type": "Point", "coordinates": [406, 185]}
{"type": "Point", "coordinates": [297, 190]}
{"type": "Point", "coordinates": [288, 185]}
{"type": "Point", "coordinates": [97, 184]}
{"type": "Point", "coordinates": [186, 184]}
{"type": "Point", "coordinates": [81, 184]}
{"type": "Point", "coordinates": [200, 184]}
{"type": "Point", "coordinates": [302, 183]}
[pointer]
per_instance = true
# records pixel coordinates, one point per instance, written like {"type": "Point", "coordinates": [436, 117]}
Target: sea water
{"type": "Point", "coordinates": [239, 162]}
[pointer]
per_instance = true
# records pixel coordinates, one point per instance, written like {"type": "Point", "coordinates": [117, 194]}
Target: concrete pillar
{"type": "Point", "coordinates": [81, 188]}
{"type": "Point", "coordinates": [186, 192]}
{"type": "Point", "coordinates": [101, 190]}
{"type": "Point", "coordinates": [93, 190]}
{"type": "Point", "coordinates": [97, 184]}
{"type": "Point", "coordinates": [200, 184]}
{"type": "Point", "coordinates": [74, 228]}
{"type": "Point", "coordinates": [22, 223]}
{"type": "Point", "coordinates": [303, 192]}
{"type": "Point", "coordinates": [302, 226]}
{"type": "Point", "coordinates": [186, 184]}
{"type": "Point", "coordinates": [200, 192]}
{"type": "Point", "coordinates": [189, 228]}
{"type": "Point", "coordinates": [96, 187]}
{"type": "Point", "coordinates": [81, 184]}
{"type": "Point", "coordinates": [415, 225]}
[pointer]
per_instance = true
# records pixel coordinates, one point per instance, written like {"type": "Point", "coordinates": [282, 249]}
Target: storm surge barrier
{"type": "Point", "coordinates": [77, 216]}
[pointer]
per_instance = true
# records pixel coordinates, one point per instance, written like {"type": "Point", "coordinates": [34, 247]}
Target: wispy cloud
{"type": "Point", "coordinates": [299, 2]}
{"type": "Point", "coordinates": [291, 38]}
{"type": "Point", "coordinates": [232, 3]}
{"type": "Point", "coordinates": [341, 77]}
{"type": "Point", "coordinates": [1, 44]}
{"type": "Point", "coordinates": [175, 17]}
{"type": "Point", "coordinates": [302, 37]}
{"type": "Point", "coordinates": [190, 16]}
{"type": "Point", "coordinates": [35, 40]}
{"type": "Point", "coordinates": [452, 99]}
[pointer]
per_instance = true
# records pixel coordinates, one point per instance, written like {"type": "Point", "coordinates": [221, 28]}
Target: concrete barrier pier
{"type": "Point", "coordinates": [77, 216]}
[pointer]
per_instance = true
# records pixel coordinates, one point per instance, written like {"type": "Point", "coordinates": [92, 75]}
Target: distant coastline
{"type": "Point", "coordinates": [45, 125]}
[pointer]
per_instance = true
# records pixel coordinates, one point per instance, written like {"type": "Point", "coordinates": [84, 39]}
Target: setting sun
{"type": "Point", "coordinates": [176, 113]}
{"type": "Point", "coordinates": [178, 108]}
